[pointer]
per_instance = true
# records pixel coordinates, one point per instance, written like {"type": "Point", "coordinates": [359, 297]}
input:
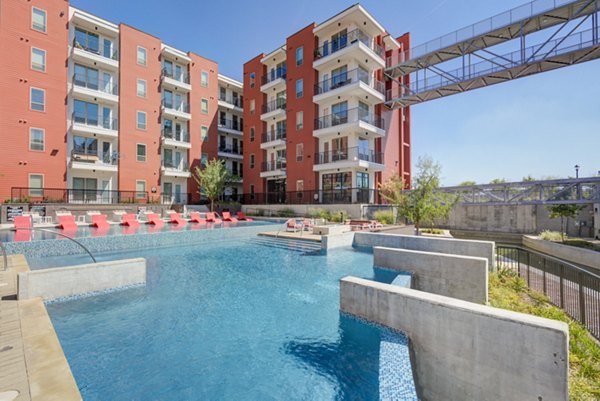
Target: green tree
{"type": "Point", "coordinates": [422, 204]}
{"type": "Point", "coordinates": [498, 181]}
{"type": "Point", "coordinates": [468, 183]}
{"type": "Point", "coordinates": [528, 178]}
{"type": "Point", "coordinates": [564, 211]}
{"type": "Point", "coordinates": [213, 179]}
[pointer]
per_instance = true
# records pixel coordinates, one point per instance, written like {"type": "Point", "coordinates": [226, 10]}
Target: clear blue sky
{"type": "Point", "coordinates": [541, 125]}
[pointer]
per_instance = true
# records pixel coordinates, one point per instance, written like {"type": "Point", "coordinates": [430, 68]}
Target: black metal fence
{"type": "Point", "coordinates": [317, 197]}
{"type": "Point", "coordinates": [575, 290]}
{"type": "Point", "coordinates": [91, 196]}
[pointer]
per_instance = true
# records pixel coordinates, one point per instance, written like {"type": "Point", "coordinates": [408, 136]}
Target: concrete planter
{"type": "Point", "coordinates": [569, 253]}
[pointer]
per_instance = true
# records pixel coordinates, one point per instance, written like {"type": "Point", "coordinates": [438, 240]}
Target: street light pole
{"type": "Point", "coordinates": [577, 171]}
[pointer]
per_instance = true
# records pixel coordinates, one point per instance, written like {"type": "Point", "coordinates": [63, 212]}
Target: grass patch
{"type": "Point", "coordinates": [435, 231]}
{"type": "Point", "coordinates": [384, 216]}
{"type": "Point", "coordinates": [579, 243]}
{"type": "Point", "coordinates": [507, 291]}
{"type": "Point", "coordinates": [551, 235]}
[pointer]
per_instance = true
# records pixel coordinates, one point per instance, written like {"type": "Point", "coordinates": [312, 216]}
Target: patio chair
{"type": "Point", "coordinates": [154, 219]}
{"type": "Point", "coordinates": [176, 219]}
{"type": "Point", "coordinates": [293, 225]}
{"type": "Point", "coordinates": [307, 224]}
{"type": "Point", "coordinates": [129, 220]}
{"type": "Point", "coordinates": [67, 222]}
{"type": "Point", "coordinates": [242, 217]}
{"type": "Point", "coordinates": [99, 221]}
{"type": "Point", "coordinates": [195, 218]}
{"type": "Point", "coordinates": [20, 224]}
{"type": "Point", "coordinates": [227, 217]}
{"type": "Point", "coordinates": [211, 217]}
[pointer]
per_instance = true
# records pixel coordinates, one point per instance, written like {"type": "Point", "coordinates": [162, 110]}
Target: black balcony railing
{"type": "Point", "coordinates": [346, 40]}
{"type": "Point", "coordinates": [231, 124]}
{"type": "Point", "coordinates": [95, 84]}
{"type": "Point", "coordinates": [87, 156]}
{"type": "Point", "coordinates": [276, 135]}
{"type": "Point", "coordinates": [273, 166]}
{"type": "Point", "coordinates": [349, 116]}
{"type": "Point", "coordinates": [95, 121]}
{"type": "Point", "coordinates": [67, 195]}
{"type": "Point", "coordinates": [274, 105]}
{"type": "Point", "coordinates": [175, 198]}
{"type": "Point", "coordinates": [236, 172]}
{"type": "Point", "coordinates": [183, 77]}
{"type": "Point", "coordinates": [350, 154]}
{"type": "Point", "coordinates": [113, 55]}
{"type": "Point", "coordinates": [315, 197]}
{"type": "Point", "coordinates": [181, 136]}
{"type": "Point", "coordinates": [234, 150]}
{"type": "Point", "coordinates": [347, 78]}
{"type": "Point", "coordinates": [181, 107]}
{"type": "Point", "coordinates": [236, 101]}
{"type": "Point", "coordinates": [274, 75]}
{"type": "Point", "coordinates": [171, 165]}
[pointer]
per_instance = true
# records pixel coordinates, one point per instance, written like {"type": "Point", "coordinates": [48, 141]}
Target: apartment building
{"type": "Point", "coordinates": [99, 109]}
{"type": "Point", "coordinates": [315, 121]}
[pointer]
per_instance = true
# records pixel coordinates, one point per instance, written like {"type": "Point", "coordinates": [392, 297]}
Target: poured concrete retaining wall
{"type": "Point", "coordinates": [581, 256]}
{"type": "Point", "coordinates": [82, 279]}
{"type": "Point", "coordinates": [466, 351]}
{"type": "Point", "coordinates": [462, 277]}
{"type": "Point", "coordinates": [337, 240]}
{"type": "Point", "coordinates": [481, 249]}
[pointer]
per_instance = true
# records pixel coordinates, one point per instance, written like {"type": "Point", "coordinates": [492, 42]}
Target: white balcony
{"type": "Point", "coordinates": [92, 58]}
{"type": "Point", "coordinates": [274, 110]}
{"type": "Point", "coordinates": [94, 91]}
{"type": "Point", "coordinates": [231, 127]}
{"type": "Point", "coordinates": [358, 83]}
{"type": "Point", "coordinates": [170, 169]}
{"type": "Point", "coordinates": [176, 140]}
{"type": "Point", "coordinates": [93, 162]}
{"type": "Point", "coordinates": [352, 158]}
{"type": "Point", "coordinates": [181, 111]}
{"type": "Point", "coordinates": [347, 122]}
{"type": "Point", "coordinates": [177, 83]}
{"type": "Point", "coordinates": [355, 45]}
{"type": "Point", "coordinates": [273, 84]}
{"type": "Point", "coordinates": [273, 169]}
{"type": "Point", "coordinates": [273, 140]}
{"type": "Point", "coordinates": [229, 152]}
{"type": "Point", "coordinates": [104, 128]}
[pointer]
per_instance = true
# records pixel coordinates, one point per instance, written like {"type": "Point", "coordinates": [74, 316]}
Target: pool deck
{"type": "Point", "coordinates": [32, 361]}
{"type": "Point", "coordinates": [305, 236]}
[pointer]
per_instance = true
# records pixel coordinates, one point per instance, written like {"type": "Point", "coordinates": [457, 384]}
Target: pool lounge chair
{"type": "Point", "coordinates": [307, 225]}
{"type": "Point", "coordinates": [212, 218]}
{"type": "Point", "coordinates": [67, 222]}
{"type": "Point", "coordinates": [154, 219]}
{"type": "Point", "coordinates": [227, 217]}
{"type": "Point", "coordinates": [99, 221]}
{"type": "Point", "coordinates": [293, 225]}
{"type": "Point", "coordinates": [242, 217]}
{"type": "Point", "coordinates": [21, 223]}
{"type": "Point", "coordinates": [129, 220]}
{"type": "Point", "coordinates": [176, 219]}
{"type": "Point", "coordinates": [195, 218]}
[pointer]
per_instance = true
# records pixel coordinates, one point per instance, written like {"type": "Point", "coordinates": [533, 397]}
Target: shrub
{"type": "Point", "coordinates": [432, 231]}
{"type": "Point", "coordinates": [313, 213]}
{"type": "Point", "coordinates": [286, 212]}
{"type": "Point", "coordinates": [384, 216]}
{"type": "Point", "coordinates": [324, 214]}
{"type": "Point", "coordinates": [551, 235]}
{"type": "Point", "coordinates": [339, 216]}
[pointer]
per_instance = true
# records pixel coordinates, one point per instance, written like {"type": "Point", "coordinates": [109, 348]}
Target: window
{"type": "Point", "coordinates": [38, 99]}
{"type": "Point", "coordinates": [204, 133]}
{"type": "Point", "coordinates": [300, 185]}
{"type": "Point", "coordinates": [36, 185]}
{"type": "Point", "coordinates": [36, 139]}
{"type": "Point", "coordinates": [204, 159]}
{"type": "Point", "coordinates": [252, 106]}
{"type": "Point", "coordinates": [252, 133]}
{"type": "Point", "coordinates": [85, 189]}
{"type": "Point", "coordinates": [38, 19]}
{"type": "Point", "coordinates": [141, 55]}
{"type": "Point", "coordinates": [299, 85]}
{"type": "Point", "coordinates": [251, 191]}
{"type": "Point", "coordinates": [141, 120]}
{"type": "Point", "coordinates": [204, 106]}
{"type": "Point", "coordinates": [38, 59]}
{"type": "Point", "coordinates": [141, 88]}
{"type": "Point", "coordinates": [87, 41]}
{"type": "Point", "coordinates": [299, 152]}
{"type": "Point", "coordinates": [252, 160]}
{"type": "Point", "coordinates": [252, 79]}
{"type": "Point", "coordinates": [299, 120]}
{"type": "Point", "coordinates": [299, 55]}
{"type": "Point", "coordinates": [140, 189]}
{"type": "Point", "coordinates": [204, 79]}
{"type": "Point", "coordinates": [141, 152]}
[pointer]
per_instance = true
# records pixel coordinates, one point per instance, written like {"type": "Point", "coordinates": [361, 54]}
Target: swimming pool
{"type": "Point", "coordinates": [231, 320]}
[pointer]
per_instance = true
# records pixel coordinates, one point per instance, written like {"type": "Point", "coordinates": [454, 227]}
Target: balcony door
{"type": "Point", "coordinates": [178, 73]}
{"type": "Point", "coordinates": [168, 68]}
{"type": "Point", "coordinates": [106, 155]}
{"type": "Point", "coordinates": [339, 113]}
{"type": "Point", "coordinates": [107, 82]}
{"type": "Point", "coordinates": [363, 112]}
{"type": "Point", "coordinates": [168, 99]}
{"type": "Point", "coordinates": [178, 193]}
{"type": "Point", "coordinates": [222, 143]}
{"type": "Point", "coordinates": [106, 117]}
{"type": "Point", "coordinates": [235, 145]}
{"type": "Point", "coordinates": [84, 189]}
{"type": "Point", "coordinates": [107, 48]}
{"type": "Point", "coordinates": [339, 149]}
{"type": "Point", "coordinates": [339, 40]}
{"type": "Point", "coordinates": [363, 149]}
{"type": "Point", "coordinates": [178, 165]}
{"type": "Point", "coordinates": [339, 76]}
{"type": "Point", "coordinates": [168, 158]}
{"type": "Point", "coordinates": [178, 102]}
{"type": "Point", "coordinates": [178, 132]}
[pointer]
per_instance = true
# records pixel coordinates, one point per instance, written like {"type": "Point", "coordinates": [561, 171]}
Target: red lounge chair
{"type": "Point", "coordinates": [176, 219]}
{"type": "Point", "coordinates": [155, 219]}
{"type": "Point", "coordinates": [22, 222]}
{"type": "Point", "coordinates": [293, 225]}
{"type": "Point", "coordinates": [130, 220]}
{"type": "Point", "coordinates": [99, 221]}
{"type": "Point", "coordinates": [227, 217]}
{"type": "Point", "coordinates": [195, 218]}
{"type": "Point", "coordinates": [307, 225]}
{"type": "Point", "coordinates": [242, 216]}
{"type": "Point", "coordinates": [211, 218]}
{"type": "Point", "coordinates": [67, 222]}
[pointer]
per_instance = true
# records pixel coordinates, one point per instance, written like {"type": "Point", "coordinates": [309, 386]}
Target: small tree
{"type": "Point", "coordinates": [422, 204]}
{"type": "Point", "coordinates": [213, 179]}
{"type": "Point", "coordinates": [564, 211]}
{"type": "Point", "coordinates": [468, 183]}
{"type": "Point", "coordinates": [498, 181]}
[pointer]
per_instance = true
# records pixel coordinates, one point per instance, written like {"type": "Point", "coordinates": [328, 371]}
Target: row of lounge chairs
{"type": "Point", "coordinates": [299, 225]}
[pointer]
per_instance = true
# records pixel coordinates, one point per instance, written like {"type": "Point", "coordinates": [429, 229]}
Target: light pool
{"type": "Point", "coordinates": [231, 321]}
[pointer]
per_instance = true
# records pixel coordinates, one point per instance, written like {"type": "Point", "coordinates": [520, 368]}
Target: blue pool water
{"type": "Point", "coordinates": [231, 321]}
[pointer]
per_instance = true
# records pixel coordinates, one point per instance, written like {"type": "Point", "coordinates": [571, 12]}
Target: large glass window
{"type": "Point", "coordinates": [299, 120]}
{"type": "Point", "coordinates": [36, 185]}
{"type": "Point", "coordinates": [84, 189]}
{"type": "Point", "coordinates": [85, 146]}
{"type": "Point", "coordinates": [141, 152]}
{"type": "Point", "coordinates": [87, 40]}
{"type": "Point", "coordinates": [336, 187]}
{"type": "Point", "coordinates": [168, 68]}
{"type": "Point", "coordinates": [363, 112]}
{"type": "Point", "coordinates": [363, 149]}
{"type": "Point", "coordinates": [86, 77]}
{"type": "Point", "coordinates": [38, 59]}
{"type": "Point", "coordinates": [339, 40]}
{"type": "Point", "coordinates": [38, 99]}
{"type": "Point", "coordinates": [339, 76]}
{"type": "Point", "coordinates": [38, 19]}
{"type": "Point", "coordinates": [168, 99]}
{"type": "Point", "coordinates": [339, 113]}
{"type": "Point", "coordinates": [36, 139]}
{"type": "Point", "coordinates": [85, 112]}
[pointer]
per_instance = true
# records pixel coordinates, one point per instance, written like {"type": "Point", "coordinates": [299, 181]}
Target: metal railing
{"type": "Point", "coordinates": [82, 156]}
{"type": "Point", "coordinates": [352, 154]}
{"type": "Point", "coordinates": [231, 149]}
{"type": "Point", "coordinates": [70, 195]}
{"type": "Point", "coordinates": [273, 166]}
{"type": "Point", "coordinates": [175, 198]}
{"type": "Point", "coordinates": [315, 197]}
{"type": "Point", "coordinates": [571, 288]}
{"type": "Point", "coordinates": [277, 134]}
{"type": "Point", "coordinates": [181, 136]}
{"type": "Point", "coordinates": [183, 77]}
{"type": "Point", "coordinates": [171, 165]}
{"type": "Point", "coordinates": [348, 78]}
{"type": "Point", "coordinates": [349, 116]}
{"type": "Point", "coordinates": [275, 75]}
{"type": "Point", "coordinates": [236, 101]}
{"type": "Point", "coordinates": [346, 40]}
{"type": "Point", "coordinates": [95, 84]}
{"type": "Point", "coordinates": [231, 124]}
{"type": "Point", "coordinates": [182, 107]}
{"type": "Point", "coordinates": [274, 105]}
{"type": "Point", "coordinates": [114, 55]}
{"type": "Point", "coordinates": [95, 121]}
